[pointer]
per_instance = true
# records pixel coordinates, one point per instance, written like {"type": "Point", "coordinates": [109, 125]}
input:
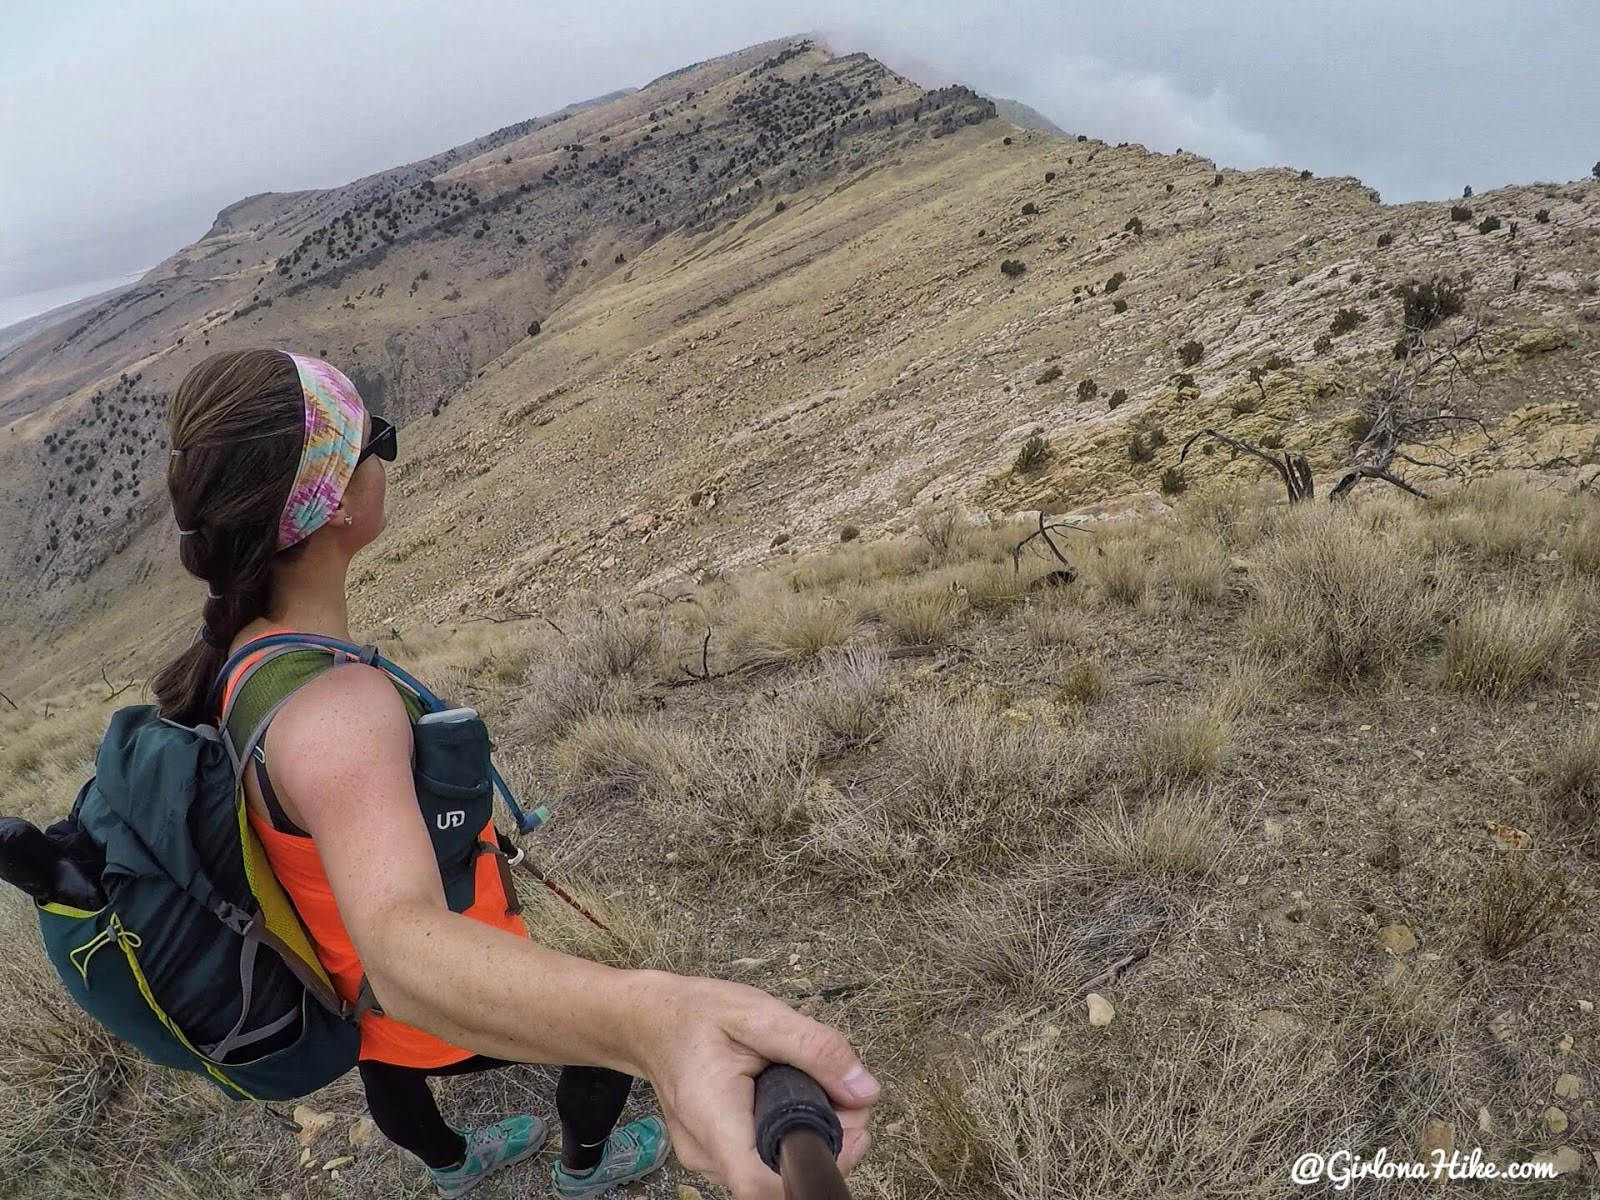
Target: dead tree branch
{"type": "Point", "coordinates": [1397, 431]}
{"type": "Point", "coordinates": [705, 660]}
{"type": "Point", "coordinates": [1293, 468]}
{"type": "Point", "coordinates": [514, 615]}
{"type": "Point", "coordinates": [10, 701]}
{"type": "Point", "coordinates": [1043, 532]}
{"type": "Point", "coordinates": [114, 690]}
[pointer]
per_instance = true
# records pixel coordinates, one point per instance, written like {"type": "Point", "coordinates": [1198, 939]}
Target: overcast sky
{"type": "Point", "coordinates": [126, 124]}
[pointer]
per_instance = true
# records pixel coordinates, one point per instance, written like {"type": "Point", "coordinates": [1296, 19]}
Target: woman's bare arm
{"type": "Point", "coordinates": [341, 752]}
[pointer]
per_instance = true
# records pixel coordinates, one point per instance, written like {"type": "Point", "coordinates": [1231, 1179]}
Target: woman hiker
{"type": "Point", "coordinates": [276, 478]}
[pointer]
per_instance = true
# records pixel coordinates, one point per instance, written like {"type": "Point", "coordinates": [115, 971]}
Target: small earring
{"type": "Point", "coordinates": [349, 520]}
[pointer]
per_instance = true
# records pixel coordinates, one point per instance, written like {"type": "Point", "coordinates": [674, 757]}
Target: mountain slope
{"type": "Point", "coordinates": [744, 372]}
{"type": "Point", "coordinates": [415, 277]}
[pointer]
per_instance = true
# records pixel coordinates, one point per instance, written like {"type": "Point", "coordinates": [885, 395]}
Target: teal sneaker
{"type": "Point", "coordinates": [488, 1149]}
{"type": "Point", "coordinates": [631, 1152]}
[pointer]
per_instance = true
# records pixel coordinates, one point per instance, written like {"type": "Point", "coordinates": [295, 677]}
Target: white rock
{"type": "Point", "coordinates": [1563, 1158]}
{"type": "Point", "coordinates": [1101, 1010]}
{"type": "Point", "coordinates": [311, 1123]}
{"type": "Point", "coordinates": [1397, 939]}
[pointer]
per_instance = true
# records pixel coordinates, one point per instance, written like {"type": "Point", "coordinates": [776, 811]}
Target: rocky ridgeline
{"type": "Point", "coordinates": [868, 354]}
{"type": "Point", "coordinates": [692, 153]}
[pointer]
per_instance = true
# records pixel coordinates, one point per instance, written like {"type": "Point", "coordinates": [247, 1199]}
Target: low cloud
{"type": "Point", "coordinates": [1081, 93]}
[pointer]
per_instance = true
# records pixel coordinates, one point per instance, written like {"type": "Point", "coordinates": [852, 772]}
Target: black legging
{"type": "Point", "coordinates": [588, 1101]}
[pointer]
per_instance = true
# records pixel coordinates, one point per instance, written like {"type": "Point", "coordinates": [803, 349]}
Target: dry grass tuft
{"type": "Point", "coordinates": [772, 630]}
{"type": "Point", "coordinates": [945, 535]}
{"type": "Point", "coordinates": [1035, 938]}
{"type": "Point", "coordinates": [990, 588]}
{"type": "Point", "coordinates": [1496, 521]}
{"type": "Point", "coordinates": [1250, 687]}
{"type": "Point", "coordinates": [949, 1137]}
{"type": "Point", "coordinates": [44, 760]}
{"type": "Point", "coordinates": [1345, 603]}
{"type": "Point", "coordinates": [921, 614]}
{"type": "Point", "coordinates": [1192, 1110]}
{"type": "Point", "coordinates": [600, 665]}
{"type": "Point", "coordinates": [1238, 517]}
{"type": "Point", "coordinates": [843, 704]}
{"type": "Point", "coordinates": [953, 784]}
{"type": "Point", "coordinates": [1198, 567]}
{"type": "Point", "coordinates": [618, 756]}
{"type": "Point", "coordinates": [1119, 571]}
{"type": "Point", "coordinates": [1520, 904]}
{"type": "Point", "coordinates": [1571, 786]}
{"type": "Point", "coordinates": [1082, 685]}
{"type": "Point", "coordinates": [1052, 620]}
{"type": "Point", "coordinates": [856, 562]}
{"type": "Point", "coordinates": [1179, 744]}
{"type": "Point", "coordinates": [750, 789]}
{"type": "Point", "coordinates": [1578, 541]}
{"type": "Point", "coordinates": [1177, 835]}
{"type": "Point", "coordinates": [1502, 647]}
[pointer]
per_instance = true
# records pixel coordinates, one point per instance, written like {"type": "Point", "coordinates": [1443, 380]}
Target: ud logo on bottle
{"type": "Point", "coordinates": [453, 819]}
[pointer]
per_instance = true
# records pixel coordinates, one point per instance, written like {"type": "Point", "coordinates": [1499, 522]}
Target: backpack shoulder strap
{"type": "Point", "coordinates": [276, 674]}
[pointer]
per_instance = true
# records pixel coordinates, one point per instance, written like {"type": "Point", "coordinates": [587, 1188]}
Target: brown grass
{"type": "Point", "coordinates": [782, 629]}
{"type": "Point", "coordinates": [1176, 835]}
{"type": "Point", "coordinates": [1180, 743]}
{"type": "Point", "coordinates": [887, 558]}
{"type": "Point", "coordinates": [842, 704]}
{"type": "Point", "coordinates": [618, 756]}
{"type": "Point", "coordinates": [1053, 619]}
{"type": "Point", "coordinates": [1238, 517]}
{"type": "Point", "coordinates": [1344, 603]}
{"type": "Point", "coordinates": [1198, 1109]}
{"type": "Point", "coordinates": [954, 785]}
{"type": "Point", "coordinates": [921, 615]}
{"type": "Point", "coordinates": [1570, 792]}
{"type": "Point", "coordinates": [1198, 568]}
{"type": "Point", "coordinates": [43, 760]}
{"type": "Point", "coordinates": [990, 588]}
{"type": "Point", "coordinates": [1495, 521]}
{"type": "Point", "coordinates": [1082, 684]}
{"type": "Point", "coordinates": [1120, 572]}
{"type": "Point", "coordinates": [600, 663]}
{"type": "Point", "coordinates": [1504, 646]}
{"type": "Point", "coordinates": [1035, 936]}
{"type": "Point", "coordinates": [929, 840]}
{"type": "Point", "coordinates": [1520, 903]}
{"type": "Point", "coordinates": [748, 792]}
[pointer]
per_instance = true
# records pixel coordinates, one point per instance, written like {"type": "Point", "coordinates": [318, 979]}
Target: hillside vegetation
{"type": "Point", "coordinates": [1306, 795]}
{"type": "Point", "coordinates": [866, 522]}
{"type": "Point", "coordinates": [745, 373]}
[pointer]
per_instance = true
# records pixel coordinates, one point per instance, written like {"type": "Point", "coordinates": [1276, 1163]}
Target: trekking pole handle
{"type": "Point", "coordinates": [798, 1134]}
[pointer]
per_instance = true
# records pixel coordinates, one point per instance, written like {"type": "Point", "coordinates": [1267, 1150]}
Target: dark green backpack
{"type": "Point", "coordinates": [197, 957]}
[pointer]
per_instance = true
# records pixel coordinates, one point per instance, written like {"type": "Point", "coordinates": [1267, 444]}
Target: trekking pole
{"type": "Point", "coordinates": [798, 1134]}
{"type": "Point", "coordinates": [516, 856]}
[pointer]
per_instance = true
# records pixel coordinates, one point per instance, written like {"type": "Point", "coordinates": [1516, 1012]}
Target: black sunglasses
{"type": "Point", "coordinates": [384, 442]}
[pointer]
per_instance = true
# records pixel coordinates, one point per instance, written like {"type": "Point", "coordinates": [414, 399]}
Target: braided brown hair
{"type": "Point", "coordinates": [235, 424]}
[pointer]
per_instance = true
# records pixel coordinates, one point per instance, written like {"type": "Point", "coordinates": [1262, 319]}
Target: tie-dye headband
{"type": "Point", "coordinates": [334, 420]}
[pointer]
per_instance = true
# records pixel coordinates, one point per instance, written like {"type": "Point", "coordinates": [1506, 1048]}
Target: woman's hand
{"type": "Point", "coordinates": [702, 1050]}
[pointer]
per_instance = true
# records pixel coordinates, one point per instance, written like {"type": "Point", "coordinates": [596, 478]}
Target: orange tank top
{"type": "Point", "coordinates": [298, 867]}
